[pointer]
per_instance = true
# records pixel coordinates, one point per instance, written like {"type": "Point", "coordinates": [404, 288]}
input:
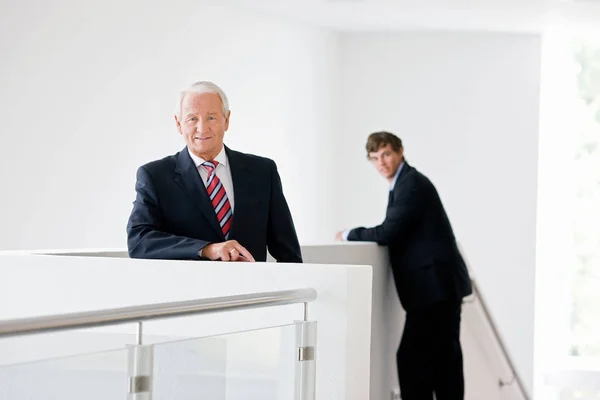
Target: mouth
{"type": "Point", "coordinates": [202, 138]}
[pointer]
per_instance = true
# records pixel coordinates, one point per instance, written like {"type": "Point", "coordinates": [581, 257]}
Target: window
{"type": "Point", "coordinates": [567, 333]}
{"type": "Point", "coordinates": [585, 309]}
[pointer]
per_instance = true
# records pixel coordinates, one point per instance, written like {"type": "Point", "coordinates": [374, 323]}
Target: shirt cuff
{"type": "Point", "coordinates": [345, 234]}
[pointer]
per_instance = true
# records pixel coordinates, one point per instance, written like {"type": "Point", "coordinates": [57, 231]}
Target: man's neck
{"type": "Point", "coordinates": [393, 179]}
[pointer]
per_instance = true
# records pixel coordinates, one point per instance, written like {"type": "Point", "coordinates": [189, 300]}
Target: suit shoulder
{"type": "Point", "coordinates": [160, 166]}
{"type": "Point", "coordinates": [417, 177]}
{"type": "Point", "coordinates": [254, 159]}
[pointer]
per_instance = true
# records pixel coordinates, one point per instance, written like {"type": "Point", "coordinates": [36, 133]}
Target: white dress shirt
{"type": "Point", "coordinates": [223, 173]}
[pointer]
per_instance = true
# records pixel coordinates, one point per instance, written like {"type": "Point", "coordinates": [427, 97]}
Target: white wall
{"type": "Point", "coordinates": [466, 107]}
{"type": "Point", "coordinates": [88, 92]}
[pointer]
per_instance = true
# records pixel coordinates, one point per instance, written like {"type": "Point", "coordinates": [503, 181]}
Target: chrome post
{"type": "Point", "coordinates": [306, 371]}
{"type": "Point", "coordinates": [141, 363]}
{"type": "Point", "coordinates": [139, 333]}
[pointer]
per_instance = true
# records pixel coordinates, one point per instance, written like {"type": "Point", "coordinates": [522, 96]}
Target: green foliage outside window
{"type": "Point", "coordinates": [585, 316]}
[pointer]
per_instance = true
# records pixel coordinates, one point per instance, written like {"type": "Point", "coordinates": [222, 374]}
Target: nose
{"type": "Point", "coordinates": [201, 127]}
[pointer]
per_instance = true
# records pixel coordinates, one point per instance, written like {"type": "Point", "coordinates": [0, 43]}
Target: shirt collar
{"type": "Point", "coordinates": [221, 158]}
{"type": "Point", "coordinates": [397, 175]}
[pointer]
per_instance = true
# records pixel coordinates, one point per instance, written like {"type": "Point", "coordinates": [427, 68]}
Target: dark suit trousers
{"type": "Point", "coordinates": [430, 357]}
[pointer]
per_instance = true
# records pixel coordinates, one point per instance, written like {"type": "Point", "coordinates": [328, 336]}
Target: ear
{"type": "Point", "coordinates": [227, 120]}
{"type": "Point", "coordinates": [178, 123]}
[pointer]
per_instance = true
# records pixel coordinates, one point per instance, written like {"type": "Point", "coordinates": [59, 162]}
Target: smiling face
{"type": "Point", "coordinates": [203, 124]}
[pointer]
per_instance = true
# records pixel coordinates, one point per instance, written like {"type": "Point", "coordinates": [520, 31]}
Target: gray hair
{"type": "Point", "coordinates": [204, 87]}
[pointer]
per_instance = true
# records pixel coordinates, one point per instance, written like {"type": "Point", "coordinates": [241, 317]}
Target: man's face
{"type": "Point", "coordinates": [386, 160]}
{"type": "Point", "coordinates": [203, 124]}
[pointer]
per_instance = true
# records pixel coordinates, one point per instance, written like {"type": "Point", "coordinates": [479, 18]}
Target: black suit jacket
{"type": "Point", "coordinates": [426, 263]}
{"type": "Point", "coordinates": [173, 217]}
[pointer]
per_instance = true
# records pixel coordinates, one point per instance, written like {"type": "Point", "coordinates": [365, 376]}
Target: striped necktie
{"type": "Point", "coordinates": [218, 197]}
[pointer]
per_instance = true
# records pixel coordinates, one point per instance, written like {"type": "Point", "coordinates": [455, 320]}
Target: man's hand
{"type": "Point", "coordinates": [339, 236]}
{"type": "Point", "coordinates": [230, 250]}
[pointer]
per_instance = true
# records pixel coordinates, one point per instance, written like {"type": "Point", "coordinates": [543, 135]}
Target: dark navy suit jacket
{"type": "Point", "coordinates": [426, 263]}
{"type": "Point", "coordinates": [173, 217]}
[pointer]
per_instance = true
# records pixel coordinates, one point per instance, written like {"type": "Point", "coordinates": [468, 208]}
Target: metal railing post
{"type": "Point", "coordinates": [306, 363]}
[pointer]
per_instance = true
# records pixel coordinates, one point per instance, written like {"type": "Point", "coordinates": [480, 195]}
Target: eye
{"type": "Point", "coordinates": [192, 119]}
{"type": "Point", "coordinates": [210, 118]}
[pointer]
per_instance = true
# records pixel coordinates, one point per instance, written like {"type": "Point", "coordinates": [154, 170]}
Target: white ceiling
{"type": "Point", "coordinates": [494, 15]}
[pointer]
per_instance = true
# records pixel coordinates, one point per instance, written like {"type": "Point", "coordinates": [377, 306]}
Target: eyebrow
{"type": "Point", "coordinates": [188, 115]}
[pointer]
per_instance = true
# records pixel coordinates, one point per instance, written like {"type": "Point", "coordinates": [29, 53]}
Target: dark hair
{"type": "Point", "coordinates": [380, 139]}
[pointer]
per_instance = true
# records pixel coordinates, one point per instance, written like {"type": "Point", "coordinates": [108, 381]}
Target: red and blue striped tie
{"type": "Point", "coordinates": [218, 197]}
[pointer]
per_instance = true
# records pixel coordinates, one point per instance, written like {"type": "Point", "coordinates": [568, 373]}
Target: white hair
{"type": "Point", "coordinates": [204, 87]}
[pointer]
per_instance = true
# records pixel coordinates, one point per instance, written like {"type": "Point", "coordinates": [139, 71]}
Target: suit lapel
{"type": "Point", "coordinates": [189, 179]}
{"type": "Point", "coordinates": [403, 172]}
{"type": "Point", "coordinates": [242, 187]}
{"type": "Point", "coordinates": [396, 188]}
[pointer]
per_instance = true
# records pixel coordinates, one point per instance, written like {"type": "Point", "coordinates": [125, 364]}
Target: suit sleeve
{"type": "Point", "coordinates": [408, 205]}
{"type": "Point", "coordinates": [146, 236]}
{"type": "Point", "coordinates": [282, 241]}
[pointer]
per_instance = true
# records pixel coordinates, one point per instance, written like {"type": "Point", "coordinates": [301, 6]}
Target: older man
{"type": "Point", "coordinates": [208, 201]}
